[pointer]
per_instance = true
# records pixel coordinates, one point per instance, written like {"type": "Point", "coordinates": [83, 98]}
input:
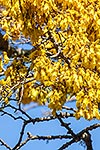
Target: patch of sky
{"type": "Point", "coordinates": [2, 32]}
{"type": "Point", "coordinates": [20, 44]}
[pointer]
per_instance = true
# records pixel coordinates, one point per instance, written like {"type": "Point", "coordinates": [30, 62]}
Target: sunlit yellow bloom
{"type": "Point", "coordinates": [6, 59]}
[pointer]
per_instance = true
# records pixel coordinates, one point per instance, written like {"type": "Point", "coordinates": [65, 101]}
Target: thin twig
{"type": "Point", "coordinates": [66, 125]}
{"type": "Point", "coordinates": [12, 116]}
{"type": "Point", "coordinates": [50, 137]}
{"type": "Point", "coordinates": [69, 108]}
{"type": "Point", "coordinates": [37, 137]}
{"type": "Point", "coordinates": [21, 135]}
{"type": "Point", "coordinates": [51, 117]}
{"type": "Point", "coordinates": [4, 144]}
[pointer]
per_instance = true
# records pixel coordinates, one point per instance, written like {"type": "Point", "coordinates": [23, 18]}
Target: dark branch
{"type": "Point", "coordinates": [21, 135]}
{"type": "Point", "coordinates": [87, 139]}
{"type": "Point", "coordinates": [50, 137]}
{"type": "Point", "coordinates": [66, 125]}
{"type": "Point", "coordinates": [82, 135]}
{"type": "Point", "coordinates": [4, 144]}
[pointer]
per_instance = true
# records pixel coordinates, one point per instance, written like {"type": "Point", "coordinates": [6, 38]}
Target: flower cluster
{"type": "Point", "coordinates": [66, 57]}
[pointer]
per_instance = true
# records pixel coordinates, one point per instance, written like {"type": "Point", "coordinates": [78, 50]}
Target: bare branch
{"type": "Point", "coordinates": [50, 137]}
{"type": "Point", "coordinates": [21, 135]}
{"type": "Point", "coordinates": [37, 137]}
{"type": "Point", "coordinates": [66, 125]}
{"type": "Point", "coordinates": [81, 136]}
{"type": "Point", "coordinates": [87, 139]}
{"type": "Point", "coordinates": [42, 119]}
{"type": "Point", "coordinates": [4, 144]}
{"type": "Point", "coordinates": [67, 144]}
{"type": "Point", "coordinates": [69, 108]}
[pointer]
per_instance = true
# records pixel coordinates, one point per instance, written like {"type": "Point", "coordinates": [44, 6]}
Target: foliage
{"type": "Point", "coordinates": [64, 61]}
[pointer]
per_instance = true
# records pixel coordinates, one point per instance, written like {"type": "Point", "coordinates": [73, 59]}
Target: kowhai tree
{"type": "Point", "coordinates": [64, 61]}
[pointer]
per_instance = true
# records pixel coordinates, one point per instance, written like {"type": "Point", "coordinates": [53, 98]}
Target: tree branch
{"type": "Point", "coordinates": [21, 135]}
{"type": "Point", "coordinates": [82, 135]}
{"type": "Point", "coordinates": [4, 144]}
{"type": "Point", "coordinates": [66, 125]}
{"type": "Point", "coordinates": [50, 137]}
{"type": "Point", "coordinates": [87, 139]}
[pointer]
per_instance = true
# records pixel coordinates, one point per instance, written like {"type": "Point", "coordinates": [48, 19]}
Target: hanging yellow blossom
{"type": "Point", "coordinates": [6, 59]}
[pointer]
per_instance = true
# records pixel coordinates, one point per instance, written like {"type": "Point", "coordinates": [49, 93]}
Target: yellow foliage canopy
{"type": "Point", "coordinates": [66, 57]}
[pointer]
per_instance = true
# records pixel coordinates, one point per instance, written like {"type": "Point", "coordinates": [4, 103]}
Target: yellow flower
{"type": "Point", "coordinates": [6, 59]}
